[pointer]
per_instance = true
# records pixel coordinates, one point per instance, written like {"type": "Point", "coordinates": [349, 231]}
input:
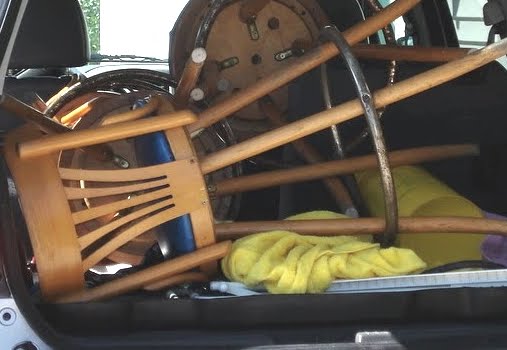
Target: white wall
{"type": "Point", "coordinates": [137, 27]}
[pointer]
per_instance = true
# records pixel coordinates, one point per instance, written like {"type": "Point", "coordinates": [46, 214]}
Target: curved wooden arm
{"type": "Point", "coordinates": [409, 53]}
{"type": "Point", "coordinates": [76, 139]}
{"type": "Point", "coordinates": [300, 66]}
{"type": "Point", "coordinates": [368, 226]}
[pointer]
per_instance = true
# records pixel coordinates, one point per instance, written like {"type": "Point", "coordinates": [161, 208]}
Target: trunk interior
{"type": "Point", "coordinates": [466, 110]}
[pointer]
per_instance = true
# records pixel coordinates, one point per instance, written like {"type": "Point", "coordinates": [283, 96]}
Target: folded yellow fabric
{"type": "Point", "coordinates": [287, 263]}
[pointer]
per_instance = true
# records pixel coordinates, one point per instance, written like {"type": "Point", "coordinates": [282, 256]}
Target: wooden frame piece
{"type": "Point", "coordinates": [189, 77]}
{"type": "Point", "coordinates": [352, 109]}
{"type": "Point", "coordinates": [334, 185]}
{"type": "Point", "coordinates": [300, 66]}
{"type": "Point", "coordinates": [363, 226]}
{"type": "Point", "coordinates": [82, 138]}
{"type": "Point", "coordinates": [340, 167]}
{"type": "Point", "coordinates": [409, 53]}
{"type": "Point", "coordinates": [135, 114]}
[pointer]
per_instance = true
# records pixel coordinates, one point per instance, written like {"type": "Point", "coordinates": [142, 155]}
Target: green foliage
{"type": "Point", "coordinates": [91, 11]}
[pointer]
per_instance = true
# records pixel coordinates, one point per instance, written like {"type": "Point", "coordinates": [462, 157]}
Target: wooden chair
{"type": "Point", "coordinates": [157, 194]}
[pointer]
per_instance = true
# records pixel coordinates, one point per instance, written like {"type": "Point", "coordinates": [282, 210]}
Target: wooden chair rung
{"type": "Point", "coordinates": [89, 214]}
{"type": "Point", "coordinates": [131, 233]}
{"type": "Point", "coordinates": [80, 193]}
{"type": "Point", "coordinates": [146, 173]}
{"type": "Point", "coordinates": [91, 237]}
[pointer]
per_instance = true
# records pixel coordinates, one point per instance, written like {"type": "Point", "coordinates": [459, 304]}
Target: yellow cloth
{"type": "Point", "coordinates": [285, 262]}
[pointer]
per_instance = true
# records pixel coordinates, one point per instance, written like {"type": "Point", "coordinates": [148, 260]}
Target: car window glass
{"type": "Point", "coordinates": [131, 27]}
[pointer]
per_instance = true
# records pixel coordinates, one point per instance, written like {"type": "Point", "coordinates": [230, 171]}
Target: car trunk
{"type": "Point", "coordinates": [440, 314]}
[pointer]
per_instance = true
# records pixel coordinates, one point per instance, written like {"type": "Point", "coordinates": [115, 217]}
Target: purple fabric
{"type": "Point", "coordinates": [494, 247]}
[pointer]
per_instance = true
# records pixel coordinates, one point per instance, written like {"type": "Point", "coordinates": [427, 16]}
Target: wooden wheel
{"type": "Point", "coordinates": [244, 50]}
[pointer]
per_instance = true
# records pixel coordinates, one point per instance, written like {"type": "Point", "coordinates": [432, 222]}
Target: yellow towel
{"type": "Point", "coordinates": [285, 262]}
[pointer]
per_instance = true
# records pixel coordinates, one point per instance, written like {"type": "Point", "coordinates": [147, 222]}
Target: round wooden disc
{"type": "Point", "coordinates": [228, 39]}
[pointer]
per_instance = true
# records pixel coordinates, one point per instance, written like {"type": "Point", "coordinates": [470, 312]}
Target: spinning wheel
{"type": "Point", "coordinates": [170, 190]}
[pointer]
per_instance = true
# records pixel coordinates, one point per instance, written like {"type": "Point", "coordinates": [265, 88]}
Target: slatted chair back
{"type": "Point", "coordinates": [139, 199]}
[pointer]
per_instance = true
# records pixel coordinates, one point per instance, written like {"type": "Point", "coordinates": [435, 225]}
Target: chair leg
{"type": "Point", "coordinates": [151, 275]}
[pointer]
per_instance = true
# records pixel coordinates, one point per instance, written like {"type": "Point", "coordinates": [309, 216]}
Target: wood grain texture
{"type": "Point", "coordinates": [91, 237]}
{"type": "Point", "coordinates": [151, 275]}
{"type": "Point", "coordinates": [119, 175]}
{"type": "Point", "coordinates": [341, 167]}
{"type": "Point", "coordinates": [334, 185]}
{"type": "Point", "coordinates": [82, 138]}
{"type": "Point", "coordinates": [188, 80]}
{"type": "Point", "coordinates": [202, 218]}
{"type": "Point", "coordinates": [352, 109]}
{"type": "Point", "coordinates": [250, 8]}
{"type": "Point", "coordinates": [409, 53]}
{"type": "Point", "coordinates": [136, 230]}
{"type": "Point", "coordinates": [300, 66]}
{"type": "Point", "coordinates": [99, 97]}
{"type": "Point", "coordinates": [90, 192]}
{"type": "Point", "coordinates": [134, 114]}
{"type": "Point", "coordinates": [47, 216]}
{"type": "Point", "coordinates": [111, 208]}
{"type": "Point", "coordinates": [371, 226]}
{"type": "Point", "coordinates": [78, 112]}
{"type": "Point", "coordinates": [229, 37]}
